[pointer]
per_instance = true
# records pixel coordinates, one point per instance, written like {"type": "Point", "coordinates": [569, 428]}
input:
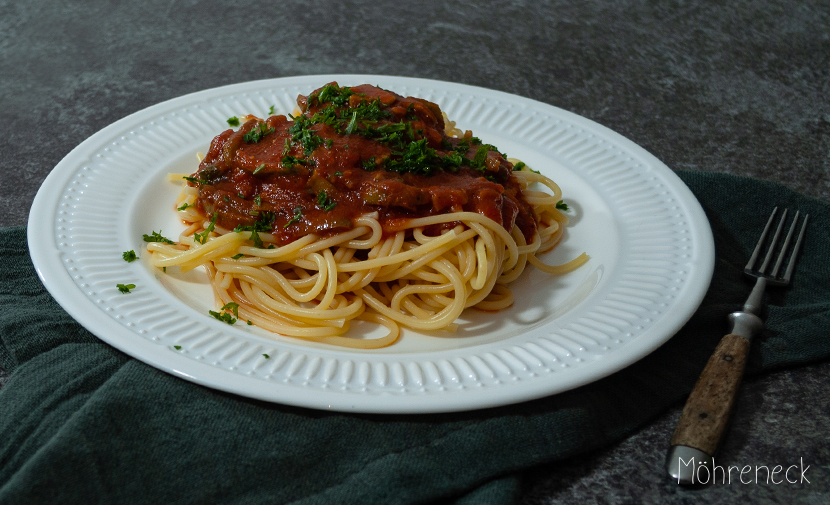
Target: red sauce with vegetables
{"type": "Point", "coordinates": [351, 152]}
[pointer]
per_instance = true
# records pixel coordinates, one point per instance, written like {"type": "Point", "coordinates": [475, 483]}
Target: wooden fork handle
{"type": "Point", "coordinates": [706, 414]}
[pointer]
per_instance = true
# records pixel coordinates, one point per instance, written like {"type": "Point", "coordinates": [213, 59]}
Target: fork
{"type": "Point", "coordinates": [706, 413]}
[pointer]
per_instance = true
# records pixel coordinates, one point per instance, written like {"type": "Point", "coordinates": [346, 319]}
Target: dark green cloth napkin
{"type": "Point", "coordinates": [83, 423]}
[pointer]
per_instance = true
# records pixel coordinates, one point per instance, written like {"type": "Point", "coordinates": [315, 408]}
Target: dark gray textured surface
{"type": "Point", "coordinates": [741, 88]}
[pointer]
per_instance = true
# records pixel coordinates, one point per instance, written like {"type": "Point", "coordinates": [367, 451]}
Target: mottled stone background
{"type": "Point", "coordinates": [739, 87]}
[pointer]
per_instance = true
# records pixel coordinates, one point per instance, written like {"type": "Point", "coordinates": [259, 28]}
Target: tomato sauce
{"type": "Point", "coordinates": [351, 152]}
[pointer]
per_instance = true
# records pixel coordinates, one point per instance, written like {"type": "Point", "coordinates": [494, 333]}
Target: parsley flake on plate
{"type": "Point", "coordinates": [225, 316]}
{"type": "Point", "coordinates": [125, 288]}
{"type": "Point", "coordinates": [222, 316]}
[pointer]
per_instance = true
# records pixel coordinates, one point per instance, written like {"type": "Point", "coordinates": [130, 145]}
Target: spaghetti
{"type": "Point", "coordinates": [367, 206]}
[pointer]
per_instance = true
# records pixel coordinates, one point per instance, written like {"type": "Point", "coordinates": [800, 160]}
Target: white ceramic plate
{"type": "Point", "coordinates": [651, 249]}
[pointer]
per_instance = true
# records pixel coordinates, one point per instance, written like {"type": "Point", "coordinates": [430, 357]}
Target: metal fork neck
{"type": "Point", "coordinates": [755, 301]}
{"type": "Point", "coordinates": [746, 322]}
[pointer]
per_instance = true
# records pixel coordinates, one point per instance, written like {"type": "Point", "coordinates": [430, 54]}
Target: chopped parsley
{"type": "Point", "coordinates": [264, 223]}
{"type": "Point", "coordinates": [462, 147]}
{"type": "Point", "coordinates": [233, 307]}
{"type": "Point", "coordinates": [257, 132]}
{"type": "Point", "coordinates": [301, 132]}
{"type": "Point", "coordinates": [478, 161]}
{"type": "Point", "coordinates": [237, 256]}
{"type": "Point", "coordinates": [125, 288]}
{"type": "Point", "coordinates": [255, 238]}
{"type": "Point", "coordinates": [395, 135]}
{"type": "Point", "coordinates": [156, 237]}
{"type": "Point", "coordinates": [203, 236]}
{"type": "Point", "coordinates": [258, 200]}
{"type": "Point", "coordinates": [352, 124]}
{"type": "Point", "coordinates": [561, 205]}
{"type": "Point", "coordinates": [195, 180]}
{"type": "Point", "coordinates": [331, 93]}
{"type": "Point", "coordinates": [259, 168]}
{"type": "Point", "coordinates": [129, 256]}
{"type": "Point", "coordinates": [371, 111]}
{"type": "Point", "coordinates": [185, 206]}
{"type": "Point", "coordinates": [177, 347]}
{"type": "Point", "coordinates": [223, 316]}
{"type": "Point", "coordinates": [453, 160]}
{"type": "Point", "coordinates": [419, 158]}
{"type": "Point", "coordinates": [271, 111]}
{"type": "Point", "coordinates": [233, 121]}
{"type": "Point", "coordinates": [324, 202]}
{"type": "Point", "coordinates": [522, 166]}
{"type": "Point", "coordinates": [298, 214]}
{"type": "Point", "coordinates": [265, 355]}
{"type": "Point", "coordinates": [289, 161]}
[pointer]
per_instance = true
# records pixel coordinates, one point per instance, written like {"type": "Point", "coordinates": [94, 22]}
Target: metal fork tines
{"type": "Point", "coordinates": [754, 302]}
{"type": "Point", "coordinates": [772, 277]}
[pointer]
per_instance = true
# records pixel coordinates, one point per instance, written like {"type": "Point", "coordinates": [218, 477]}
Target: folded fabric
{"type": "Point", "coordinates": [84, 423]}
